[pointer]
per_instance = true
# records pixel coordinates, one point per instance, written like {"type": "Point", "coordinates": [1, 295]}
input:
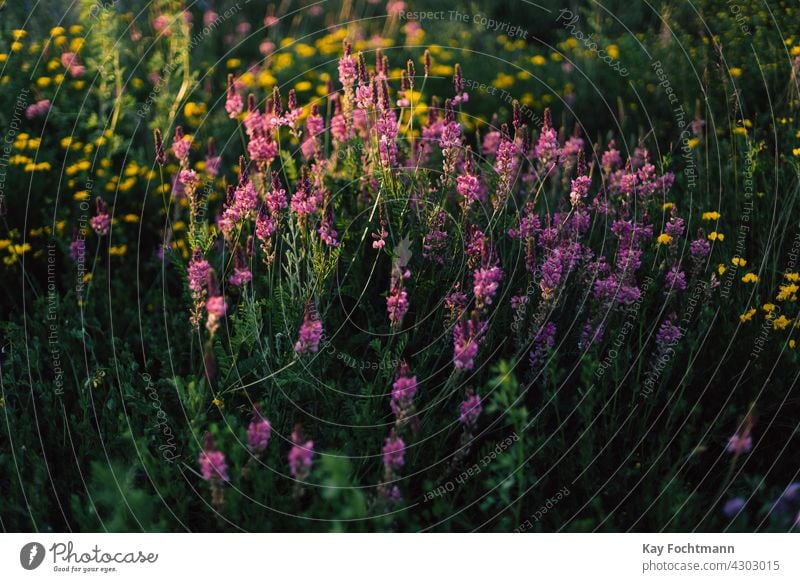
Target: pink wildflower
{"type": "Point", "coordinates": [212, 462]}
{"type": "Point", "coordinates": [470, 409]}
{"type": "Point", "coordinates": [181, 144]}
{"type": "Point", "coordinates": [310, 332]}
{"type": "Point", "coordinates": [101, 221]}
{"type": "Point", "coordinates": [258, 432]}
{"type": "Point", "coordinates": [233, 103]}
{"type": "Point", "coordinates": [394, 453]}
{"type": "Point", "coordinates": [301, 455]}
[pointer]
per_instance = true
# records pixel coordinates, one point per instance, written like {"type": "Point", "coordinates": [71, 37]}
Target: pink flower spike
{"type": "Point", "coordinates": [470, 410]}
{"type": "Point", "coordinates": [213, 465]}
{"type": "Point", "coordinates": [101, 221]}
{"type": "Point", "coordinates": [301, 455]}
{"type": "Point", "coordinates": [258, 432]}
{"type": "Point", "coordinates": [394, 453]}
{"type": "Point", "coordinates": [310, 333]}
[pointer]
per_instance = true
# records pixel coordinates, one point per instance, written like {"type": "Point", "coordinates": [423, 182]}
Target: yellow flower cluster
{"type": "Point", "coordinates": [750, 278]}
{"type": "Point", "coordinates": [15, 251]}
{"type": "Point", "coordinates": [788, 292]}
{"type": "Point", "coordinates": [747, 315]}
{"type": "Point", "coordinates": [781, 322]}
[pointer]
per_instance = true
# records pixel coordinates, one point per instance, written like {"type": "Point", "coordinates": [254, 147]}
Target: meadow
{"type": "Point", "coordinates": [399, 266]}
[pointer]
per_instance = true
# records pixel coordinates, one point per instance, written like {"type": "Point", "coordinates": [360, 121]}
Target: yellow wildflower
{"type": "Point", "coordinates": [781, 323]}
{"type": "Point", "coordinates": [711, 215]}
{"type": "Point", "coordinates": [747, 316]}
{"type": "Point", "coordinates": [305, 50]}
{"type": "Point", "coordinates": [192, 109]}
{"type": "Point", "coordinates": [503, 81]}
{"type": "Point", "coordinates": [716, 236]}
{"type": "Point", "coordinates": [721, 269]}
{"type": "Point", "coordinates": [739, 261]}
{"type": "Point", "coordinates": [788, 292]}
{"type": "Point", "coordinates": [283, 61]}
{"type": "Point", "coordinates": [127, 184]}
{"type": "Point", "coordinates": [441, 70]}
{"type": "Point", "coordinates": [750, 278]}
{"type": "Point", "coordinates": [40, 167]}
{"type": "Point", "coordinates": [664, 239]}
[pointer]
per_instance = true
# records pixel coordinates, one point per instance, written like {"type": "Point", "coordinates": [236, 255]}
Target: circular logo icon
{"type": "Point", "coordinates": [31, 555]}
